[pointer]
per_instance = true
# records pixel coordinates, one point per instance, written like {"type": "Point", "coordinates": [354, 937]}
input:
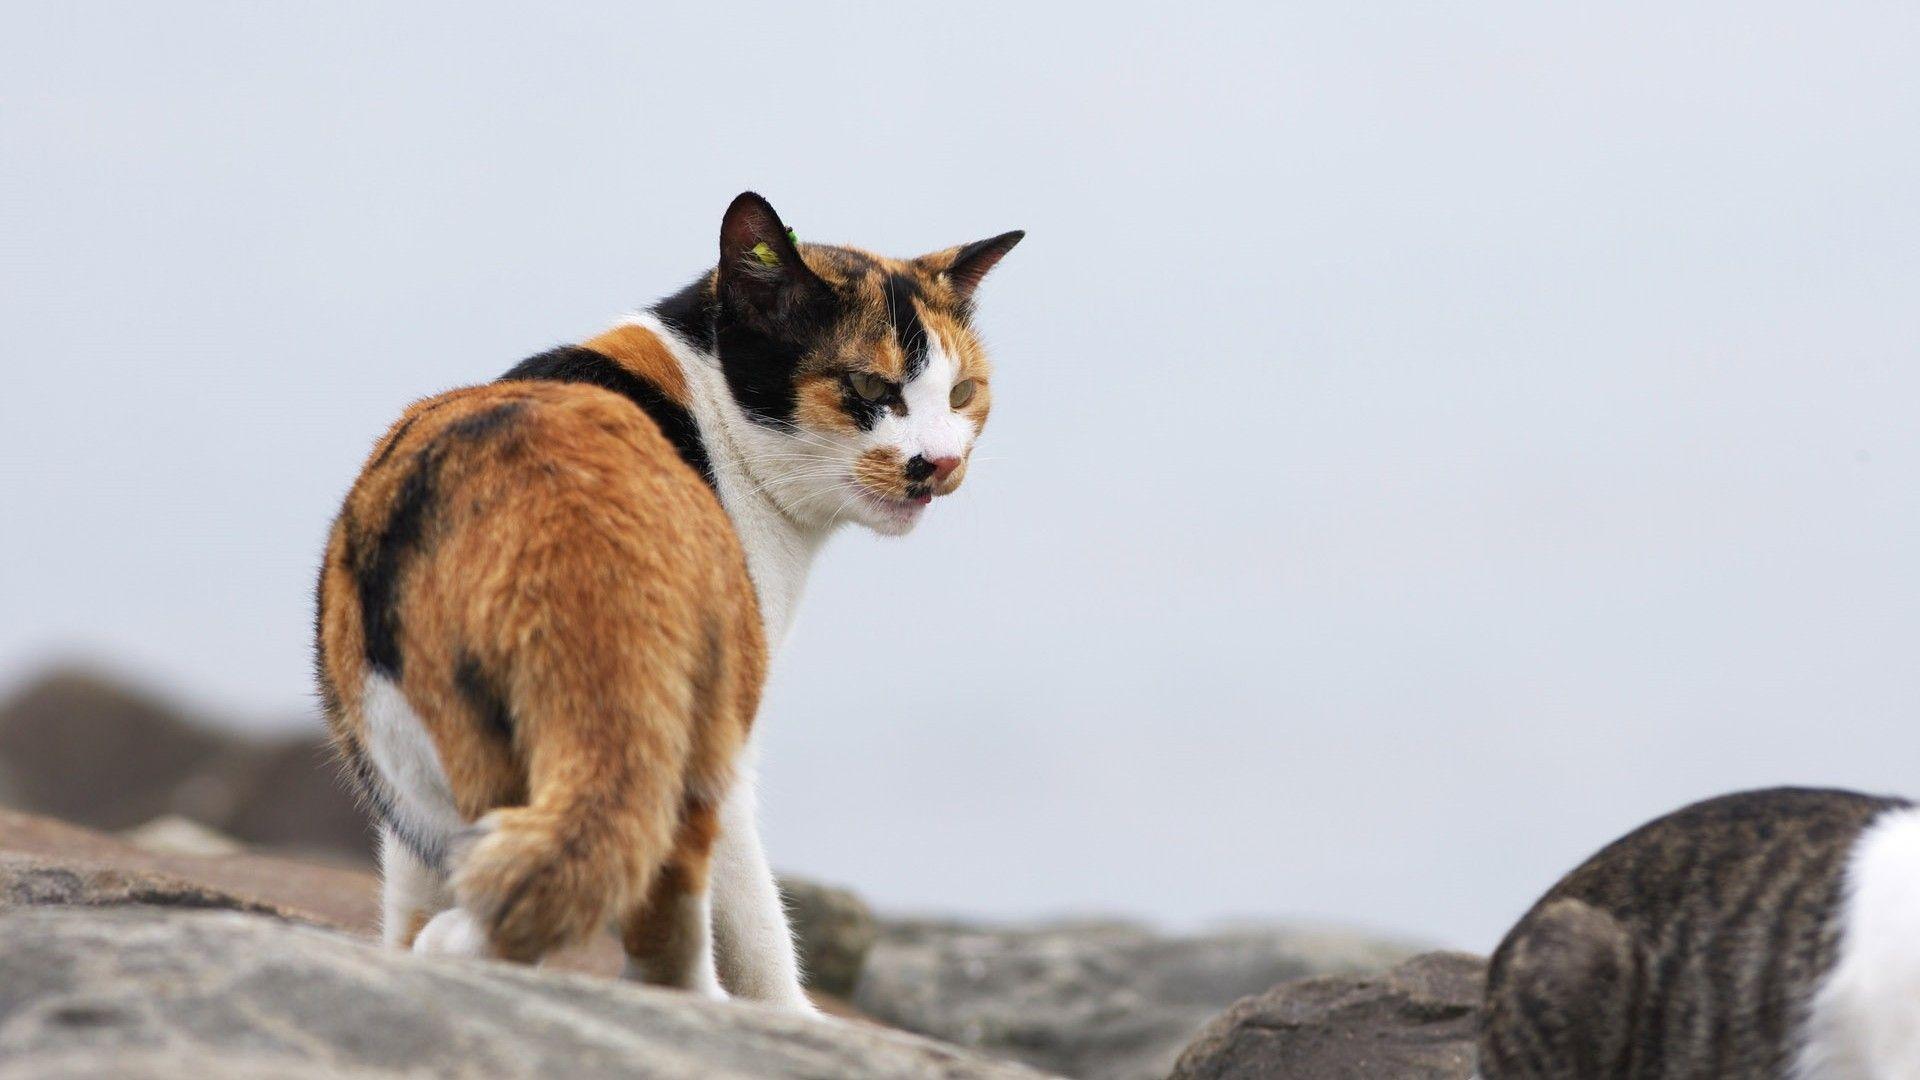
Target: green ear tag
{"type": "Point", "coordinates": [765, 253]}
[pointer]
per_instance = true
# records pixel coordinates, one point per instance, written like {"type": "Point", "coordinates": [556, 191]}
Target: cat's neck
{"type": "Point", "coordinates": [780, 550]}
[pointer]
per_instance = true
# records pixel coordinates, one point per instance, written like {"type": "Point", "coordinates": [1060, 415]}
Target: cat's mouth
{"type": "Point", "coordinates": [905, 508]}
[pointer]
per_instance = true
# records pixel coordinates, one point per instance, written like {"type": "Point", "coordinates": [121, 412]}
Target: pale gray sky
{"type": "Point", "coordinates": [1426, 442]}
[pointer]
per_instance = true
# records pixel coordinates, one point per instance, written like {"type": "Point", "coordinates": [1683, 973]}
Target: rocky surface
{"type": "Point", "coordinates": [1107, 1000]}
{"type": "Point", "coordinates": [1415, 1022]}
{"type": "Point", "coordinates": [30, 881]}
{"type": "Point", "coordinates": [323, 895]}
{"type": "Point", "coordinates": [40, 857]}
{"type": "Point", "coordinates": [147, 992]}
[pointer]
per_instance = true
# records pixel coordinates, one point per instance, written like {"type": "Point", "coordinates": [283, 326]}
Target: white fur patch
{"type": "Point", "coordinates": [408, 887]}
{"type": "Point", "coordinates": [780, 545]}
{"type": "Point", "coordinates": [931, 427]}
{"type": "Point", "coordinates": [1864, 1021]}
{"type": "Point", "coordinates": [453, 932]}
{"type": "Point", "coordinates": [407, 760]}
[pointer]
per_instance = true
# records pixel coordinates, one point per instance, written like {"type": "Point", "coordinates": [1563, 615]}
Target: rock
{"type": "Point", "coordinates": [176, 835]}
{"type": "Point", "coordinates": [323, 895]}
{"type": "Point", "coordinates": [84, 748]}
{"type": "Point", "coordinates": [349, 899]}
{"type": "Point", "coordinates": [29, 880]}
{"type": "Point", "coordinates": [1415, 1022]}
{"type": "Point", "coordinates": [143, 992]}
{"type": "Point", "coordinates": [289, 795]}
{"type": "Point", "coordinates": [1107, 1000]}
{"type": "Point", "coordinates": [834, 930]}
{"type": "Point", "coordinates": [89, 749]}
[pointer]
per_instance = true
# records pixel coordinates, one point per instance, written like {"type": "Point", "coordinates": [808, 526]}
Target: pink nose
{"type": "Point", "coordinates": [943, 467]}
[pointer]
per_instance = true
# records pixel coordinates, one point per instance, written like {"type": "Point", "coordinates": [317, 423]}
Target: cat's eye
{"type": "Point", "coordinates": [961, 393]}
{"type": "Point", "coordinates": [869, 387]}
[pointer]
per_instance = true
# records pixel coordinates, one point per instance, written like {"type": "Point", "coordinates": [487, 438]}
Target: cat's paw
{"type": "Point", "coordinates": [453, 932]}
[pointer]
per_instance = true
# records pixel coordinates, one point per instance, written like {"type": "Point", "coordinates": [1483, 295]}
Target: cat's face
{"type": "Point", "coordinates": [862, 376]}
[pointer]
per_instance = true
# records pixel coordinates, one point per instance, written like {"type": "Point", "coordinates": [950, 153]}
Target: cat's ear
{"type": "Point", "coordinates": [760, 267]}
{"type": "Point", "coordinates": [967, 264]}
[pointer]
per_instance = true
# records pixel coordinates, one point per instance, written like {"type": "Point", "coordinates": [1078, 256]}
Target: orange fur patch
{"type": "Point", "coordinates": [567, 564]}
{"type": "Point", "coordinates": [817, 405]}
{"type": "Point", "coordinates": [881, 470]}
{"type": "Point", "coordinates": [641, 351]}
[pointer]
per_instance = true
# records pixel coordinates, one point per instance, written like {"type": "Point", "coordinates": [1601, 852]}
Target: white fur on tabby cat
{"type": "Point", "coordinates": [1864, 1021]}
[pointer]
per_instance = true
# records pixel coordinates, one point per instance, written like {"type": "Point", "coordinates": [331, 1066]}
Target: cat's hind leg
{"type": "Point", "coordinates": [1560, 997]}
{"type": "Point", "coordinates": [668, 937]}
{"type": "Point", "coordinates": [416, 905]}
{"type": "Point", "coordinates": [411, 892]}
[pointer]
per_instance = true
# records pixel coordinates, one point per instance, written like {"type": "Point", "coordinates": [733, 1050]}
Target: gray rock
{"type": "Point", "coordinates": [1415, 1022]}
{"type": "Point", "coordinates": [156, 993]}
{"type": "Point", "coordinates": [834, 929]}
{"type": "Point", "coordinates": [1109, 1000]}
{"type": "Point", "coordinates": [29, 880]}
{"type": "Point", "coordinates": [179, 858]}
{"type": "Point", "coordinates": [323, 895]}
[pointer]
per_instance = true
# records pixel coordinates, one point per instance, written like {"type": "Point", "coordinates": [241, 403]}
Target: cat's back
{"type": "Point", "coordinates": [531, 468]}
{"type": "Point", "coordinates": [524, 510]}
{"type": "Point", "coordinates": [1691, 947]}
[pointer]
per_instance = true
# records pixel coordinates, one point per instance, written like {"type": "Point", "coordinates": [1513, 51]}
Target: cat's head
{"type": "Point", "coordinates": [861, 376]}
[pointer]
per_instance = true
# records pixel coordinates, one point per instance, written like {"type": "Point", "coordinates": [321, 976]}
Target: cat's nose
{"type": "Point", "coordinates": [922, 467]}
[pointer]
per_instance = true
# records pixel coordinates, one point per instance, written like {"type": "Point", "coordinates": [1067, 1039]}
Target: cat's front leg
{"type": "Point", "coordinates": [753, 944]}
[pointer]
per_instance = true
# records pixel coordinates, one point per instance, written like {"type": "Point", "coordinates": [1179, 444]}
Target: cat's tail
{"type": "Point", "coordinates": [605, 786]}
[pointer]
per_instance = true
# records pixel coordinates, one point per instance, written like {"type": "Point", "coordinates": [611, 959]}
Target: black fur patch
{"type": "Point", "coordinates": [907, 328]}
{"type": "Point", "coordinates": [572, 363]}
{"type": "Point", "coordinates": [690, 313]}
{"type": "Point", "coordinates": [483, 696]}
{"type": "Point", "coordinates": [759, 367]}
{"type": "Point", "coordinates": [380, 561]}
{"type": "Point", "coordinates": [760, 373]}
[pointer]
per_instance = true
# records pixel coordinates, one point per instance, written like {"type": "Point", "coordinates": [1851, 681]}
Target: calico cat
{"type": "Point", "coordinates": [1765, 934]}
{"type": "Point", "coordinates": [546, 606]}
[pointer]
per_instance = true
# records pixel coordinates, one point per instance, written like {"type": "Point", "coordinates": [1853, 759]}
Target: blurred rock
{"type": "Point", "coordinates": [1415, 1022]}
{"type": "Point", "coordinates": [176, 835]}
{"type": "Point", "coordinates": [291, 796]}
{"type": "Point", "coordinates": [144, 992]}
{"type": "Point", "coordinates": [834, 930]}
{"type": "Point", "coordinates": [1108, 1000]}
{"type": "Point", "coordinates": [89, 749]}
{"type": "Point", "coordinates": [83, 748]}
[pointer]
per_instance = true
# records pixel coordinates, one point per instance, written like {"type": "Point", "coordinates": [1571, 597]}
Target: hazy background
{"type": "Point", "coordinates": [1426, 444]}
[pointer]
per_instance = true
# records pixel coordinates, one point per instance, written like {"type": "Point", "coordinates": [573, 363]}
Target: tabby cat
{"type": "Point", "coordinates": [546, 606]}
{"type": "Point", "coordinates": [1767, 934]}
